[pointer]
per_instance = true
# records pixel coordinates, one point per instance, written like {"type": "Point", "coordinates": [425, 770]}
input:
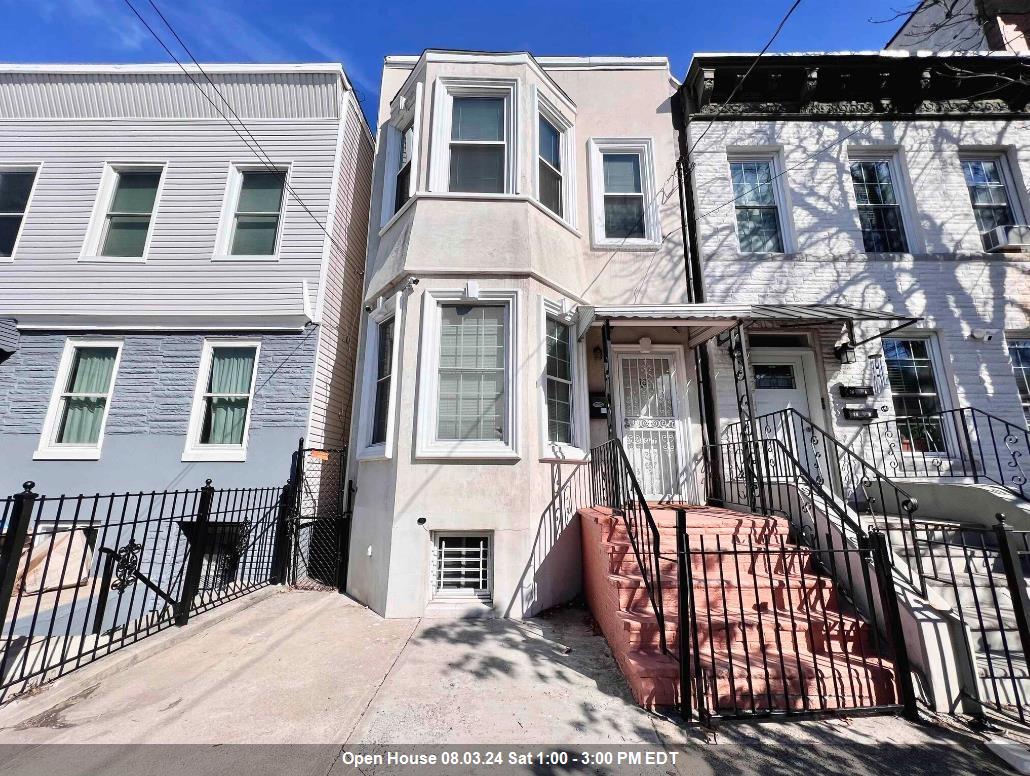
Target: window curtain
{"type": "Point", "coordinates": [231, 372]}
{"type": "Point", "coordinates": [84, 414]}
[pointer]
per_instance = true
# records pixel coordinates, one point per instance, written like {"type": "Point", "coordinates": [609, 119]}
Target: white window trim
{"type": "Point", "coordinates": [91, 245]}
{"type": "Point", "coordinates": [444, 92]}
{"type": "Point", "coordinates": [223, 239]}
{"type": "Point", "coordinates": [940, 375]}
{"type": "Point", "coordinates": [49, 448]}
{"type": "Point", "coordinates": [34, 167]}
{"type": "Point", "coordinates": [1014, 192]}
{"type": "Point", "coordinates": [644, 148]}
{"type": "Point", "coordinates": [543, 107]}
{"type": "Point", "coordinates": [385, 310]}
{"type": "Point", "coordinates": [426, 443]}
{"type": "Point", "coordinates": [407, 111]}
{"type": "Point", "coordinates": [783, 208]}
{"type": "Point", "coordinates": [899, 179]}
{"type": "Point", "coordinates": [460, 595]}
{"type": "Point", "coordinates": [194, 451]}
{"type": "Point", "coordinates": [579, 449]}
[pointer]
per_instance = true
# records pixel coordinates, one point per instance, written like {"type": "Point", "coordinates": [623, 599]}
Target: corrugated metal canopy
{"type": "Point", "coordinates": [715, 318]}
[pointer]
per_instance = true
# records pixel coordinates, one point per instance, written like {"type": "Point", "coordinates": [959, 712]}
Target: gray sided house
{"type": "Point", "coordinates": [179, 282]}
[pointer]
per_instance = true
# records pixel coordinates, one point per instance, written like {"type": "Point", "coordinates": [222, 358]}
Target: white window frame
{"type": "Point", "coordinates": [406, 112]}
{"type": "Point", "coordinates": [941, 377]}
{"type": "Point", "coordinates": [644, 148]}
{"type": "Point", "coordinates": [564, 312]}
{"type": "Point", "coordinates": [49, 448]}
{"type": "Point", "coordinates": [444, 92]}
{"type": "Point", "coordinates": [427, 446]}
{"type": "Point", "coordinates": [223, 239]}
{"type": "Point", "coordinates": [543, 107]}
{"type": "Point", "coordinates": [459, 595]}
{"type": "Point", "coordinates": [1011, 338]}
{"type": "Point", "coordinates": [772, 156]}
{"type": "Point", "coordinates": [37, 169]}
{"type": "Point", "coordinates": [385, 310]}
{"type": "Point", "coordinates": [93, 242]}
{"type": "Point", "coordinates": [899, 179]}
{"type": "Point", "coordinates": [194, 450]}
{"type": "Point", "coordinates": [1001, 156]}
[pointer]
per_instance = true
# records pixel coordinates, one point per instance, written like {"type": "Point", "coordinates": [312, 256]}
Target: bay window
{"type": "Point", "coordinates": [379, 386]}
{"type": "Point", "coordinates": [558, 382]}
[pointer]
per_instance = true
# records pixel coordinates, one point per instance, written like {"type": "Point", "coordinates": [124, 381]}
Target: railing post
{"type": "Point", "coordinates": [892, 620]}
{"type": "Point", "coordinates": [195, 561]}
{"type": "Point", "coordinates": [682, 599]}
{"type": "Point", "coordinates": [1015, 579]}
{"type": "Point", "coordinates": [281, 543]}
{"type": "Point", "coordinates": [967, 440]}
{"type": "Point", "coordinates": [13, 544]}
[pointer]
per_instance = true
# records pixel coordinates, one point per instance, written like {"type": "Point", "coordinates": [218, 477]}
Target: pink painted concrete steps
{"type": "Point", "coordinates": [767, 617]}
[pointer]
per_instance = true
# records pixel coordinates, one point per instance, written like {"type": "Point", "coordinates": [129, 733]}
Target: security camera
{"type": "Point", "coordinates": [984, 335]}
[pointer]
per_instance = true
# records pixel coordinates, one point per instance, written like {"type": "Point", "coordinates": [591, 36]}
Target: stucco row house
{"type": "Point", "coordinates": [595, 293]}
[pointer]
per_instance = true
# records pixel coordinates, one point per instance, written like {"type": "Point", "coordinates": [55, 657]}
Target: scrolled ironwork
{"type": "Point", "coordinates": [127, 560]}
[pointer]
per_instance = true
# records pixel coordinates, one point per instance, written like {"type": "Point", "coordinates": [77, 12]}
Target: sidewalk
{"type": "Point", "coordinates": [320, 670]}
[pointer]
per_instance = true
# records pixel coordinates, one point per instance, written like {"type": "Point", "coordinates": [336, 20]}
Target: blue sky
{"type": "Point", "coordinates": [360, 34]}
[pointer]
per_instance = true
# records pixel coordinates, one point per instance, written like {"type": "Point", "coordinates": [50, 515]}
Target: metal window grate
{"type": "Point", "coordinates": [461, 567]}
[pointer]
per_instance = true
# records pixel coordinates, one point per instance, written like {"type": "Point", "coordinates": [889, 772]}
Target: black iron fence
{"type": "Point", "coordinates": [83, 576]}
{"type": "Point", "coordinates": [959, 443]}
{"type": "Point", "coordinates": [981, 572]}
{"type": "Point", "coordinates": [320, 520]}
{"type": "Point", "coordinates": [764, 630]}
{"type": "Point", "coordinates": [615, 485]}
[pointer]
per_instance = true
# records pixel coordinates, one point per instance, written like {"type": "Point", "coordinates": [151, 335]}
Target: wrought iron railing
{"type": "Point", "coordinates": [83, 576]}
{"type": "Point", "coordinates": [877, 500]}
{"type": "Point", "coordinates": [615, 486]}
{"type": "Point", "coordinates": [961, 443]}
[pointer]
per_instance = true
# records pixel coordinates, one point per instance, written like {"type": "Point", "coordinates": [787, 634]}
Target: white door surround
{"type": "Point", "coordinates": [652, 416]}
{"type": "Point", "coordinates": [806, 394]}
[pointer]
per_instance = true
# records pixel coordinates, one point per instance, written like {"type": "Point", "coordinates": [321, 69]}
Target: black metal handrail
{"type": "Point", "coordinates": [876, 499]}
{"type": "Point", "coordinates": [965, 442]}
{"type": "Point", "coordinates": [615, 486]}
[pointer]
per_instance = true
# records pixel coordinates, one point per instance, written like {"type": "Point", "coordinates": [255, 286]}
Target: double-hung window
{"type": "Point", "coordinates": [759, 225]}
{"type": "Point", "coordinates": [989, 194]}
{"type": "Point", "coordinates": [123, 217]}
{"type": "Point", "coordinates": [252, 213]}
{"type": "Point", "coordinates": [558, 382]}
{"type": "Point", "coordinates": [402, 182]}
{"type": "Point", "coordinates": [15, 190]}
{"type": "Point", "coordinates": [550, 182]}
{"type": "Point", "coordinates": [379, 387]}
{"type": "Point", "coordinates": [623, 196]}
{"type": "Point", "coordinates": [879, 208]}
{"type": "Point", "coordinates": [74, 426]}
{"type": "Point", "coordinates": [220, 418]}
{"type": "Point", "coordinates": [478, 145]}
{"type": "Point", "coordinates": [468, 406]}
{"type": "Point", "coordinates": [917, 403]}
{"type": "Point", "coordinates": [1019, 352]}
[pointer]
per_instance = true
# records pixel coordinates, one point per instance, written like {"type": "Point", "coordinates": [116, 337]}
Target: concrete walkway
{"type": "Point", "coordinates": [320, 670]}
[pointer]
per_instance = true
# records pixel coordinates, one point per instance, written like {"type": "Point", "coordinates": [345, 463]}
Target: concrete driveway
{"type": "Point", "coordinates": [318, 670]}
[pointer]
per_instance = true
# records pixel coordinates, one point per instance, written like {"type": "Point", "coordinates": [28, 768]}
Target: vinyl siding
{"type": "Point", "coordinates": [333, 388]}
{"type": "Point", "coordinates": [179, 276]}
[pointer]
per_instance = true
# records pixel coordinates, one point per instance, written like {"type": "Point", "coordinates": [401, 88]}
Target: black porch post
{"type": "Point", "coordinates": [606, 350]}
{"type": "Point", "coordinates": [748, 425]}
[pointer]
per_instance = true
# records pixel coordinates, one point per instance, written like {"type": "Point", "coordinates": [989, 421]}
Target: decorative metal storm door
{"type": "Point", "coordinates": [650, 421]}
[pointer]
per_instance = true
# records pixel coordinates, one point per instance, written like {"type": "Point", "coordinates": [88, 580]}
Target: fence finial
{"type": "Point", "coordinates": [207, 483]}
{"type": "Point", "coordinates": [28, 485]}
{"type": "Point", "coordinates": [1000, 517]}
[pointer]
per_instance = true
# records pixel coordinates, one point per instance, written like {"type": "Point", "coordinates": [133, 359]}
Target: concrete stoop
{"type": "Point", "coordinates": [772, 632]}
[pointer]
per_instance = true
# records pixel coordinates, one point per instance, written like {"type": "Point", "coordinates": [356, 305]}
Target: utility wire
{"type": "Point", "coordinates": [256, 148]}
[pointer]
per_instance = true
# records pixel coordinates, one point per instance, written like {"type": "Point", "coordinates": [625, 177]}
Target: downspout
{"type": "Point", "coordinates": [694, 278]}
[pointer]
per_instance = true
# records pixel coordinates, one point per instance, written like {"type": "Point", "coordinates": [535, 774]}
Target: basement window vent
{"type": "Point", "coordinates": [461, 567]}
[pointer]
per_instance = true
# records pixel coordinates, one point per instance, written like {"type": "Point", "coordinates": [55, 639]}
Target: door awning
{"type": "Point", "coordinates": [8, 335]}
{"type": "Point", "coordinates": [709, 320]}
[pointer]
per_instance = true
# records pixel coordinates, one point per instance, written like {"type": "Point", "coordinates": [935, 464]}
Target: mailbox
{"type": "Point", "coordinates": [598, 405]}
{"type": "Point", "coordinates": [860, 413]}
{"type": "Point", "coordinates": [856, 391]}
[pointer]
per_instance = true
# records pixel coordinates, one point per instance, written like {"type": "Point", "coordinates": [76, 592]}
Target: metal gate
{"type": "Point", "coordinates": [320, 519]}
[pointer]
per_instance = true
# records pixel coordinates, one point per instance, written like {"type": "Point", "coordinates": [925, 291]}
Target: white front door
{"type": "Point", "coordinates": [786, 379]}
{"type": "Point", "coordinates": [652, 415]}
